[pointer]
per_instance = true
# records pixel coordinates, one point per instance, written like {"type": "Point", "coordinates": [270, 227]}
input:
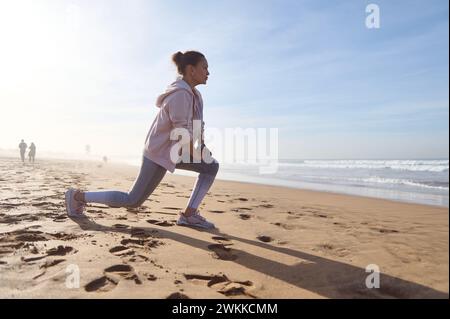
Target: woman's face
{"type": "Point", "coordinates": [200, 72]}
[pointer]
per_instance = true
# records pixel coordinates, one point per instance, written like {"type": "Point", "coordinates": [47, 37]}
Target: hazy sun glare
{"type": "Point", "coordinates": [55, 74]}
{"type": "Point", "coordinates": [37, 45]}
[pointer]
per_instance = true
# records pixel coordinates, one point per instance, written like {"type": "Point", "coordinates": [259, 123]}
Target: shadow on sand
{"type": "Point", "coordinates": [325, 277]}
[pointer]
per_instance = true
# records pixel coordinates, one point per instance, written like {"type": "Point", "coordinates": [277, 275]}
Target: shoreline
{"type": "Point", "coordinates": [275, 184]}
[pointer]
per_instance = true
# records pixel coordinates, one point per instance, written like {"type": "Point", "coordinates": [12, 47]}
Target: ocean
{"type": "Point", "coordinates": [414, 181]}
{"type": "Point", "coordinates": [422, 181]}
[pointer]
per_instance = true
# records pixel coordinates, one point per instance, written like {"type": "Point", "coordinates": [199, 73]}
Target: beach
{"type": "Point", "coordinates": [271, 241]}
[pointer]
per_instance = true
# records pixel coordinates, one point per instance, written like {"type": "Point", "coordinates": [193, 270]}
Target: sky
{"type": "Point", "coordinates": [74, 73]}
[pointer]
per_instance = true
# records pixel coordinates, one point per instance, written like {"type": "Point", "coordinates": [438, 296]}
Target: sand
{"type": "Point", "coordinates": [271, 242]}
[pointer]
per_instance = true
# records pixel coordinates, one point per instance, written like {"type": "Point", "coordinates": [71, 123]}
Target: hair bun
{"type": "Point", "coordinates": [181, 60]}
{"type": "Point", "coordinates": [177, 58]}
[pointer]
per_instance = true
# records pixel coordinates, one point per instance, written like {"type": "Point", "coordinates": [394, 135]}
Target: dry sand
{"type": "Point", "coordinates": [272, 242]}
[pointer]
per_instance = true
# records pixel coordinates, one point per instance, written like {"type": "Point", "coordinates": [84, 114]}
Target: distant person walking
{"type": "Point", "coordinates": [179, 107]}
{"type": "Point", "coordinates": [32, 152]}
{"type": "Point", "coordinates": [23, 148]}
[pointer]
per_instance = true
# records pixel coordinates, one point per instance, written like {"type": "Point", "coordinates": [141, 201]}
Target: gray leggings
{"type": "Point", "coordinates": [150, 175]}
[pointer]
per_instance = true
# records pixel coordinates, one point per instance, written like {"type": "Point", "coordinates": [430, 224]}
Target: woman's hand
{"type": "Point", "coordinates": [206, 154]}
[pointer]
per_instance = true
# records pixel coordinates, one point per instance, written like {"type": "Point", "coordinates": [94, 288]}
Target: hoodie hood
{"type": "Point", "coordinates": [179, 84]}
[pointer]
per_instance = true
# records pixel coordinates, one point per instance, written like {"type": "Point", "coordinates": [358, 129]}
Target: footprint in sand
{"type": "Point", "coordinates": [244, 216]}
{"type": "Point", "coordinates": [266, 206]}
{"type": "Point", "coordinates": [61, 251]}
{"type": "Point", "coordinates": [173, 208]}
{"type": "Point", "coordinates": [211, 280]}
{"type": "Point", "coordinates": [135, 248]}
{"type": "Point", "coordinates": [9, 248]}
{"type": "Point", "coordinates": [60, 218]}
{"type": "Point", "coordinates": [162, 223]}
{"type": "Point", "coordinates": [51, 263]}
{"type": "Point", "coordinates": [56, 251]}
{"type": "Point", "coordinates": [240, 208]}
{"type": "Point", "coordinates": [384, 230]}
{"type": "Point", "coordinates": [26, 235]}
{"type": "Point", "coordinates": [139, 242]}
{"type": "Point", "coordinates": [31, 259]}
{"type": "Point", "coordinates": [222, 284]}
{"type": "Point", "coordinates": [220, 238]}
{"type": "Point", "coordinates": [102, 284]}
{"type": "Point", "coordinates": [124, 271]}
{"type": "Point", "coordinates": [112, 276]}
{"type": "Point", "coordinates": [120, 226]}
{"type": "Point", "coordinates": [15, 219]}
{"type": "Point", "coordinates": [141, 209]}
{"type": "Point", "coordinates": [144, 243]}
{"type": "Point", "coordinates": [95, 211]}
{"type": "Point", "coordinates": [325, 247]}
{"type": "Point", "coordinates": [139, 232]}
{"type": "Point", "coordinates": [264, 238]}
{"type": "Point", "coordinates": [151, 277]}
{"type": "Point", "coordinates": [216, 211]}
{"type": "Point", "coordinates": [222, 252]}
{"type": "Point", "coordinates": [332, 249]}
{"type": "Point", "coordinates": [295, 213]}
{"type": "Point", "coordinates": [285, 226]}
{"type": "Point", "coordinates": [177, 295]}
{"type": "Point", "coordinates": [121, 251]}
{"type": "Point", "coordinates": [8, 206]}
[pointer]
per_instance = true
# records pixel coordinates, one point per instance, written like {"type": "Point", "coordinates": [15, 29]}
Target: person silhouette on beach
{"type": "Point", "coordinates": [23, 148]}
{"type": "Point", "coordinates": [180, 108]}
{"type": "Point", "coordinates": [32, 152]}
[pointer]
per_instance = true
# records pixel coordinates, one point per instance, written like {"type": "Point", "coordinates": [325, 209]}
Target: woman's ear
{"type": "Point", "coordinates": [189, 69]}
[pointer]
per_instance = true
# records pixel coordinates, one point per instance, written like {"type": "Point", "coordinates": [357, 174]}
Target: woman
{"type": "Point", "coordinates": [32, 152]}
{"type": "Point", "coordinates": [180, 106]}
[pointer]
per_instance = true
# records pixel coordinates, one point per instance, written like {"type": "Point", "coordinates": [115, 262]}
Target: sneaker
{"type": "Point", "coordinates": [74, 207]}
{"type": "Point", "coordinates": [197, 214]}
{"type": "Point", "coordinates": [195, 220]}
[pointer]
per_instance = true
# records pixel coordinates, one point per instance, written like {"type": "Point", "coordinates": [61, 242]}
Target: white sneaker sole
{"type": "Point", "coordinates": [183, 223]}
{"type": "Point", "coordinates": [68, 196]}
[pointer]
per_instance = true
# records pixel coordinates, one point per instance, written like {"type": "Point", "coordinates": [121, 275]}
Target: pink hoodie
{"type": "Point", "coordinates": [179, 106]}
